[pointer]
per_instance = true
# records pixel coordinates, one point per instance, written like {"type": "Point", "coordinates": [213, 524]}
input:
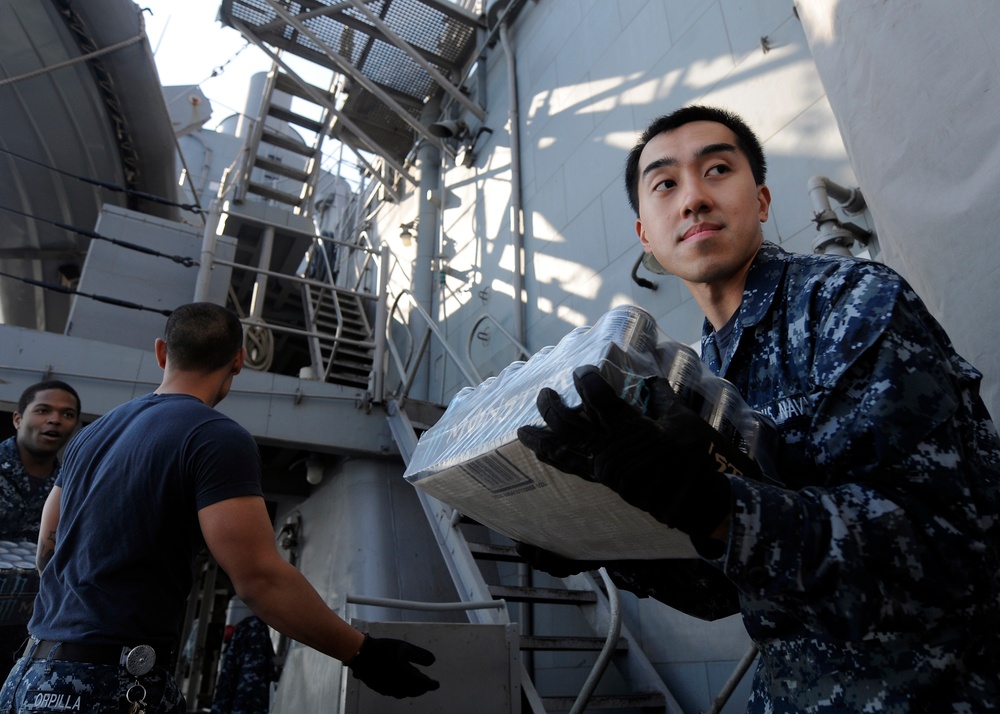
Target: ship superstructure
{"type": "Point", "coordinates": [490, 220]}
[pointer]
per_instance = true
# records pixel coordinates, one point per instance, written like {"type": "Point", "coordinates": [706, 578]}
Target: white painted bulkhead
{"type": "Point", "coordinates": [591, 74]}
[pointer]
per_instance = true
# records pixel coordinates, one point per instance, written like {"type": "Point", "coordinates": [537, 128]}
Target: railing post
{"type": "Point", "coordinates": [381, 323]}
{"type": "Point", "coordinates": [260, 283]}
{"type": "Point", "coordinates": [208, 243]}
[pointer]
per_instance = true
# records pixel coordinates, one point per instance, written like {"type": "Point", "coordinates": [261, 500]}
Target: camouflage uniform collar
{"type": "Point", "coordinates": [762, 283]}
{"type": "Point", "coordinates": [10, 462]}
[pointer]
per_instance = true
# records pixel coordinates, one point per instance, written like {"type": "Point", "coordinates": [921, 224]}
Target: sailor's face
{"type": "Point", "coordinates": [47, 422]}
{"type": "Point", "coordinates": [700, 208]}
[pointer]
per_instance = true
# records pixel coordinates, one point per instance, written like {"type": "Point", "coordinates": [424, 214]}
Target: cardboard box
{"type": "Point", "coordinates": [471, 459]}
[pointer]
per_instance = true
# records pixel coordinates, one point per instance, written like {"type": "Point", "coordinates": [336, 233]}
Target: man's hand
{"type": "Point", "coordinates": [669, 464]}
{"type": "Point", "coordinates": [385, 665]}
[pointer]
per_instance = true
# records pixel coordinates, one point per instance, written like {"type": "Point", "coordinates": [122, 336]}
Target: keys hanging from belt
{"type": "Point", "coordinates": [138, 662]}
{"type": "Point", "coordinates": [136, 697]}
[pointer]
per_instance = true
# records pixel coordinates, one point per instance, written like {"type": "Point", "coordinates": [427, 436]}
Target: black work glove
{"type": "Point", "coordinates": [669, 464]}
{"type": "Point", "coordinates": [384, 664]}
{"type": "Point", "coordinates": [551, 563]}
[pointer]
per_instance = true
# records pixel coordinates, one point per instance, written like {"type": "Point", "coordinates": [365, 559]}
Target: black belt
{"type": "Point", "coordinates": [91, 654]}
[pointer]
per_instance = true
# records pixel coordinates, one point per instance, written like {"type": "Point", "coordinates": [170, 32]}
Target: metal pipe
{"type": "Point", "coordinates": [851, 199]}
{"type": "Point", "coordinates": [429, 165]}
{"type": "Point", "coordinates": [469, 379]}
{"type": "Point", "coordinates": [208, 243]}
{"type": "Point", "coordinates": [603, 659]}
{"type": "Point", "coordinates": [260, 284]}
{"type": "Point", "coordinates": [734, 679]}
{"type": "Point", "coordinates": [521, 349]}
{"type": "Point", "coordinates": [381, 323]}
{"type": "Point", "coordinates": [428, 606]}
{"type": "Point", "coordinates": [517, 235]}
{"type": "Point", "coordinates": [834, 237]}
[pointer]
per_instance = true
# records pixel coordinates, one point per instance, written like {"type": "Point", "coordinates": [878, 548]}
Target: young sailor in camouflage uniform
{"type": "Point", "coordinates": [47, 414]}
{"type": "Point", "coordinates": [868, 577]}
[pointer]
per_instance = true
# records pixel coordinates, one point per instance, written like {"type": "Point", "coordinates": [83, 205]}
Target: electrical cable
{"type": "Point", "coordinates": [71, 291]}
{"type": "Point", "coordinates": [108, 185]}
{"type": "Point", "coordinates": [183, 260]}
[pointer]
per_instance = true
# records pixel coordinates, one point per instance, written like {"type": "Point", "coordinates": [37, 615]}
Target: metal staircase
{"type": "Point", "coordinates": [341, 344]}
{"type": "Point", "coordinates": [279, 166]}
{"type": "Point", "coordinates": [469, 557]}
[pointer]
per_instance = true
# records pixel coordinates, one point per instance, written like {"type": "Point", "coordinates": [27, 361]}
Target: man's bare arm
{"type": "Point", "coordinates": [239, 535]}
{"type": "Point", "coordinates": [47, 531]}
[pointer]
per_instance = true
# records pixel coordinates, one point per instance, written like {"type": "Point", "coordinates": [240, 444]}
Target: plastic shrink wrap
{"type": "Point", "coordinates": [472, 460]}
{"type": "Point", "coordinates": [18, 582]}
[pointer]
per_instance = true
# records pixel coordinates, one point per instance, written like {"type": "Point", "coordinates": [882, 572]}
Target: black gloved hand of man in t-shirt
{"type": "Point", "coordinates": [386, 666]}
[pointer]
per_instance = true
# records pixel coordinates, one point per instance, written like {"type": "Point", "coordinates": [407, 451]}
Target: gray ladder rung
{"type": "Point", "coordinates": [346, 367]}
{"type": "Point", "coordinates": [568, 644]}
{"type": "Point", "coordinates": [607, 701]}
{"type": "Point", "coordinates": [348, 343]}
{"type": "Point", "coordinates": [350, 327]}
{"type": "Point", "coordinates": [542, 595]}
{"type": "Point", "coordinates": [279, 196]}
{"type": "Point", "coordinates": [284, 83]}
{"type": "Point", "coordinates": [282, 169]}
{"type": "Point", "coordinates": [348, 355]}
{"type": "Point", "coordinates": [488, 551]}
{"type": "Point", "coordinates": [292, 118]}
{"type": "Point", "coordinates": [296, 146]}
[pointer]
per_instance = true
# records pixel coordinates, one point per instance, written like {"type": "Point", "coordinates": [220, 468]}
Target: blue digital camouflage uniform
{"type": "Point", "coordinates": [871, 582]}
{"type": "Point", "coordinates": [244, 684]}
{"type": "Point", "coordinates": [53, 685]}
{"type": "Point", "coordinates": [20, 500]}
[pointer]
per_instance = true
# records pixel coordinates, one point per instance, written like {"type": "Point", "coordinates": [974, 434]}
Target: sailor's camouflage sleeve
{"type": "Point", "coordinates": [247, 670]}
{"type": "Point", "coordinates": [20, 502]}
{"type": "Point", "coordinates": [888, 521]}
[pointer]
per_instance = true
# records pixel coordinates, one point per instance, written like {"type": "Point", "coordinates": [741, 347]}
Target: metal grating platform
{"type": "Point", "coordinates": [343, 37]}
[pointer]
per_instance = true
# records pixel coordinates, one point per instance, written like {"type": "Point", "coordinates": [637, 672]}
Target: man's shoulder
{"type": "Point", "coordinates": [826, 265]}
{"type": "Point", "coordinates": [10, 458]}
{"type": "Point", "coordinates": [828, 279]}
{"type": "Point", "coordinates": [173, 415]}
{"type": "Point", "coordinates": [8, 446]}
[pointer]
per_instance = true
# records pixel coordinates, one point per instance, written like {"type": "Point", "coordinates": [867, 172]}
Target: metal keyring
{"type": "Point", "coordinates": [128, 694]}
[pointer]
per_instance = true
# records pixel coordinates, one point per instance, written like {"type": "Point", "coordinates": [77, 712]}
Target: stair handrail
{"type": "Point", "coordinates": [425, 606]}
{"type": "Point", "coordinates": [209, 240]}
{"type": "Point", "coordinates": [316, 160]}
{"type": "Point", "coordinates": [438, 513]}
{"type": "Point", "coordinates": [638, 669]}
{"type": "Point", "coordinates": [409, 373]}
{"type": "Point", "coordinates": [253, 139]}
{"type": "Point", "coordinates": [604, 658]}
{"type": "Point", "coordinates": [522, 350]}
{"type": "Point", "coordinates": [364, 245]}
{"type": "Point", "coordinates": [326, 275]}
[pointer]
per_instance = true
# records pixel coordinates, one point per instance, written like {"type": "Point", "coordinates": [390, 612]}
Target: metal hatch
{"type": "Point", "coordinates": [393, 54]}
